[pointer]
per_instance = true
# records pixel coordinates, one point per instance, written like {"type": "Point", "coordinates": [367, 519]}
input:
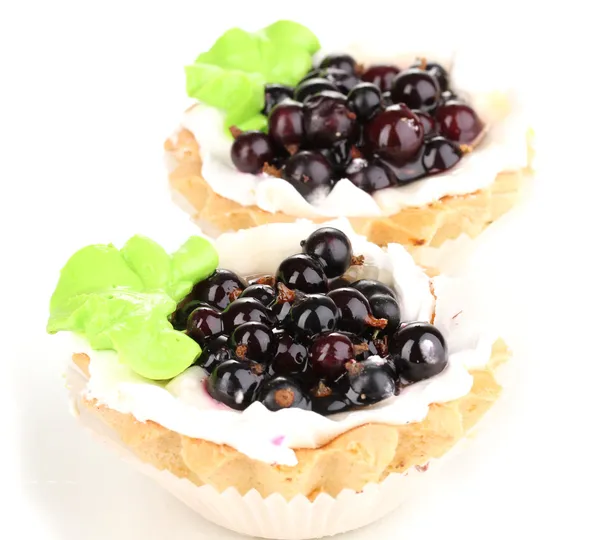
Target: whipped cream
{"type": "Point", "coordinates": [482, 81]}
{"type": "Point", "coordinates": [183, 405]}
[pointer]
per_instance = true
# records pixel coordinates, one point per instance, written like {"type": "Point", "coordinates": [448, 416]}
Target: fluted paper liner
{"type": "Point", "coordinates": [253, 515]}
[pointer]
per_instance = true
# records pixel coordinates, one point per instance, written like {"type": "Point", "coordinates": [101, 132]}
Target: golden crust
{"type": "Point", "coordinates": [365, 454]}
{"type": "Point", "coordinates": [428, 225]}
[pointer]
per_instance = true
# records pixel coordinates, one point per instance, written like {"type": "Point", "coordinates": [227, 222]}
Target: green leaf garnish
{"type": "Point", "coordinates": [232, 74]}
{"type": "Point", "coordinates": [121, 300]}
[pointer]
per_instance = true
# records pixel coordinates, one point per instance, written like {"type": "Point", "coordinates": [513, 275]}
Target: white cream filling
{"type": "Point", "coordinates": [184, 406]}
{"type": "Point", "coordinates": [475, 76]}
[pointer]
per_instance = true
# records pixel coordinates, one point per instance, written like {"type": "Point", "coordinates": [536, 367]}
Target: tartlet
{"type": "Point", "coordinates": [287, 473]}
{"type": "Point", "coordinates": [463, 200]}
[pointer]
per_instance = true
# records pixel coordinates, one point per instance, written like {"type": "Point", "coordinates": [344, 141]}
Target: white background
{"type": "Point", "coordinates": [88, 93]}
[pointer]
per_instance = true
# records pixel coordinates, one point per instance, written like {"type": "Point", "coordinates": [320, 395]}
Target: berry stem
{"type": "Point", "coordinates": [266, 280]}
{"type": "Point", "coordinates": [285, 295]}
{"type": "Point", "coordinates": [357, 260]}
{"type": "Point", "coordinates": [292, 148]}
{"type": "Point", "coordinates": [376, 323]}
{"type": "Point", "coordinates": [235, 131]}
{"type": "Point", "coordinates": [322, 390]}
{"type": "Point", "coordinates": [241, 350]}
{"type": "Point", "coordinates": [233, 295]}
{"type": "Point", "coordinates": [423, 65]}
{"type": "Point", "coordinates": [360, 348]}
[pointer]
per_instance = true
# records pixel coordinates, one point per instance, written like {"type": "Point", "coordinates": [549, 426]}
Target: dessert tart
{"type": "Point", "coordinates": [412, 145]}
{"type": "Point", "coordinates": [285, 380]}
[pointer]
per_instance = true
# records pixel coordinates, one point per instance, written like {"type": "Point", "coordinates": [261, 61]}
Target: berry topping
{"type": "Point", "coordinates": [290, 356]}
{"type": "Point", "coordinates": [371, 287]}
{"type": "Point", "coordinates": [180, 317]}
{"type": "Point", "coordinates": [219, 289]}
{"type": "Point", "coordinates": [436, 70]}
{"type": "Point", "coordinates": [251, 150]}
{"type": "Point", "coordinates": [338, 283]}
{"type": "Point", "coordinates": [410, 171]}
{"type": "Point", "coordinates": [331, 248]}
{"type": "Point", "coordinates": [417, 88]}
{"type": "Point", "coordinates": [363, 347]}
{"type": "Point", "coordinates": [370, 176]}
{"type": "Point", "coordinates": [355, 313]}
{"type": "Point", "coordinates": [330, 402]}
{"type": "Point", "coordinates": [265, 294]}
{"type": "Point", "coordinates": [343, 80]}
{"type": "Point", "coordinates": [214, 353]}
{"type": "Point", "coordinates": [429, 126]}
{"type": "Point", "coordinates": [395, 133]}
{"type": "Point", "coordinates": [235, 383]}
{"type": "Point", "coordinates": [418, 351]}
{"type": "Point", "coordinates": [339, 61]}
{"type": "Point", "coordinates": [381, 75]}
{"type": "Point", "coordinates": [303, 273]}
{"type": "Point", "coordinates": [329, 353]}
{"type": "Point", "coordinates": [459, 122]}
{"type": "Point", "coordinates": [204, 323]}
{"type": "Point", "coordinates": [313, 315]}
{"type": "Point", "coordinates": [245, 310]}
{"type": "Point", "coordinates": [310, 87]}
{"type": "Point", "coordinates": [440, 154]}
{"type": "Point", "coordinates": [283, 393]}
{"type": "Point", "coordinates": [307, 171]}
{"type": "Point", "coordinates": [338, 154]}
{"type": "Point", "coordinates": [327, 119]}
{"type": "Point", "coordinates": [252, 341]}
{"type": "Point", "coordinates": [384, 307]}
{"type": "Point", "coordinates": [285, 124]}
{"type": "Point", "coordinates": [370, 381]}
{"type": "Point", "coordinates": [364, 100]}
{"type": "Point", "coordinates": [275, 94]}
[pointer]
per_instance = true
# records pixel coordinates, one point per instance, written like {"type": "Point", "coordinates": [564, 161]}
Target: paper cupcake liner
{"type": "Point", "coordinates": [252, 515]}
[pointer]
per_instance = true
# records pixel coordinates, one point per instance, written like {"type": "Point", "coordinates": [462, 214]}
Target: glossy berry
{"type": "Point", "coordinates": [331, 248]}
{"type": "Point", "coordinates": [429, 125]}
{"type": "Point", "coordinates": [448, 95]}
{"type": "Point", "coordinates": [310, 87]}
{"type": "Point", "coordinates": [275, 94]}
{"type": "Point", "coordinates": [437, 71]}
{"type": "Point", "coordinates": [219, 289]}
{"type": "Point", "coordinates": [408, 171]}
{"type": "Point", "coordinates": [364, 100]}
{"type": "Point", "coordinates": [214, 353]}
{"type": "Point", "coordinates": [370, 176]}
{"type": "Point", "coordinates": [440, 154]}
{"type": "Point", "coordinates": [265, 294]}
{"type": "Point", "coordinates": [383, 306]}
{"type": "Point", "coordinates": [459, 122]}
{"type": "Point", "coordinates": [303, 273]}
{"type": "Point", "coordinates": [251, 150]}
{"type": "Point", "coordinates": [396, 133]}
{"type": "Point", "coordinates": [371, 287]}
{"type": "Point", "coordinates": [338, 154]}
{"type": "Point", "coordinates": [419, 351]}
{"type": "Point", "coordinates": [285, 124]}
{"type": "Point", "coordinates": [252, 341]}
{"type": "Point", "coordinates": [235, 383]}
{"type": "Point", "coordinates": [307, 171]}
{"type": "Point", "coordinates": [417, 88]}
{"type": "Point", "coordinates": [313, 315]}
{"type": "Point", "coordinates": [180, 316]}
{"type": "Point", "coordinates": [204, 323]}
{"type": "Point", "coordinates": [290, 356]}
{"type": "Point", "coordinates": [339, 61]}
{"type": "Point", "coordinates": [355, 313]}
{"type": "Point", "coordinates": [281, 311]}
{"type": "Point", "coordinates": [327, 119]}
{"type": "Point", "coordinates": [338, 283]}
{"type": "Point", "coordinates": [245, 310]}
{"type": "Point", "coordinates": [331, 403]}
{"type": "Point", "coordinates": [386, 100]}
{"type": "Point", "coordinates": [344, 81]}
{"type": "Point", "coordinates": [381, 75]}
{"type": "Point", "coordinates": [370, 381]}
{"type": "Point", "coordinates": [329, 353]}
{"type": "Point", "coordinates": [283, 393]}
